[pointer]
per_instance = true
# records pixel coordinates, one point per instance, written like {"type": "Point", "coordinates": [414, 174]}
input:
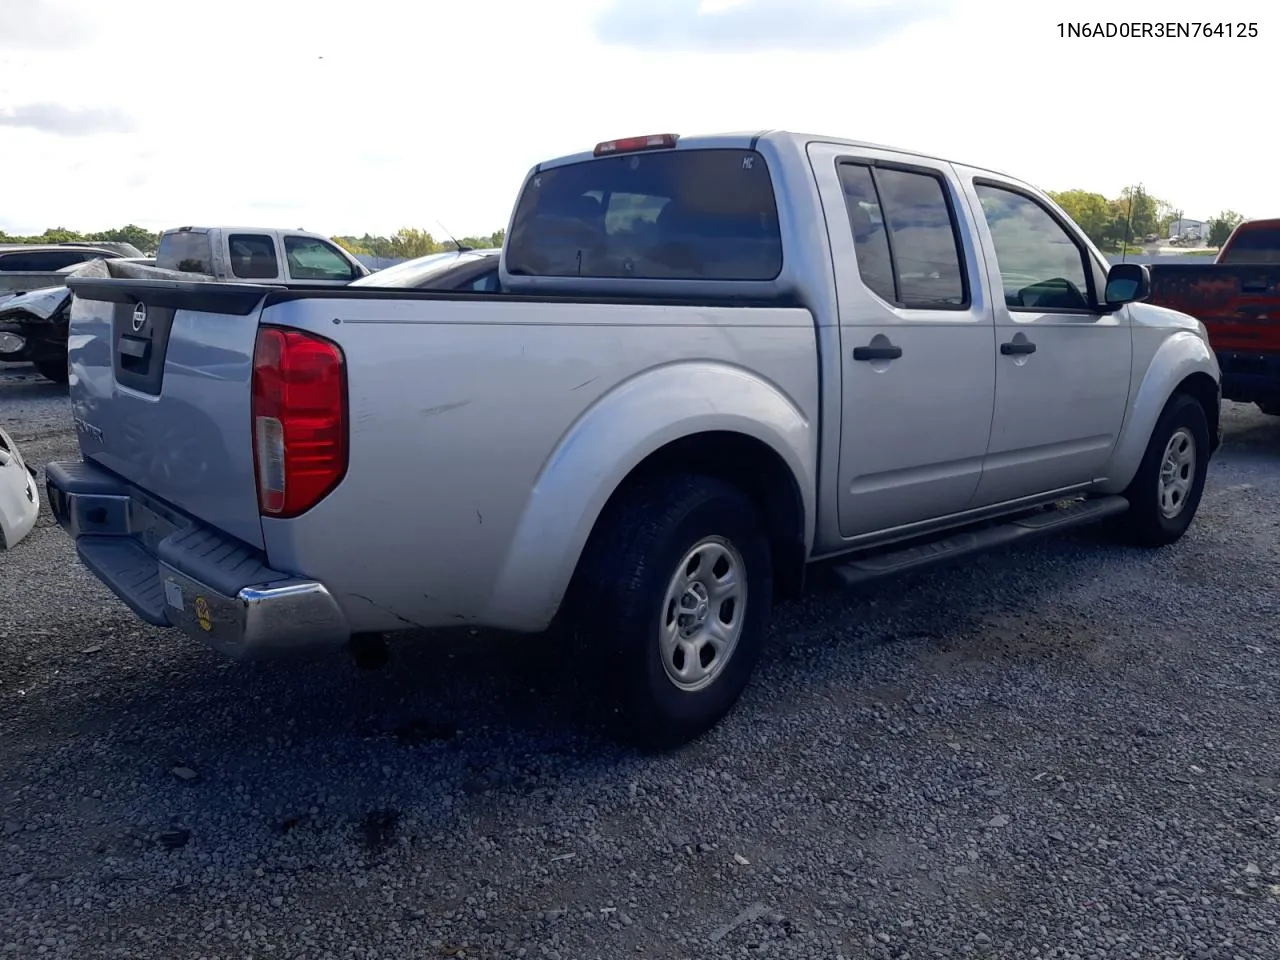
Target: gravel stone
{"type": "Point", "coordinates": [1115, 708]}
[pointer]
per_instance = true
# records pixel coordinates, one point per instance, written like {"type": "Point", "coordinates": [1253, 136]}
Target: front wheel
{"type": "Point", "coordinates": [674, 594]}
{"type": "Point", "coordinates": [1166, 490]}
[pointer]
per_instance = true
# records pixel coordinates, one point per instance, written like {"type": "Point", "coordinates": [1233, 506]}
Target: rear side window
{"type": "Point", "coordinates": [311, 259]}
{"type": "Point", "coordinates": [187, 251]}
{"type": "Point", "coordinates": [253, 256]}
{"type": "Point", "coordinates": [674, 215]}
{"type": "Point", "coordinates": [904, 236]}
{"type": "Point", "coordinates": [42, 260]}
{"type": "Point", "coordinates": [1256, 245]}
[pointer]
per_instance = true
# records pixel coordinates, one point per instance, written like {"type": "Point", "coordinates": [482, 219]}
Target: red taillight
{"type": "Point", "coordinates": [299, 420]}
{"type": "Point", "coordinates": [657, 141]}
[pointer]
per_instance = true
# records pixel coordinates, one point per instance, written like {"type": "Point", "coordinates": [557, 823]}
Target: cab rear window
{"type": "Point", "coordinates": [185, 250]}
{"type": "Point", "coordinates": [1253, 245]}
{"type": "Point", "coordinates": [675, 215]}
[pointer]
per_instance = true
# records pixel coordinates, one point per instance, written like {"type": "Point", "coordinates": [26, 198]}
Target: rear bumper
{"type": "Point", "coordinates": [174, 572]}
{"type": "Point", "coordinates": [1249, 377]}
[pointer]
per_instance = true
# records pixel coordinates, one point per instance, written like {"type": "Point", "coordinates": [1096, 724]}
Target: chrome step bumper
{"type": "Point", "coordinates": [173, 571]}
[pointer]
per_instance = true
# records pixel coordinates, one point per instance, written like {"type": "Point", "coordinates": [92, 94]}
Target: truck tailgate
{"type": "Point", "coordinates": [161, 379]}
{"type": "Point", "coordinates": [1239, 304]}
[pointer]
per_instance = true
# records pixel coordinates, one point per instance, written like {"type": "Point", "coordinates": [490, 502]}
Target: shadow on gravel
{"type": "Point", "coordinates": [21, 387]}
{"type": "Point", "coordinates": [470, 702]}
{"type": "Point", "coordinates": [1258, 441]}
{"type": "Point", "coordinates": [466, 725]}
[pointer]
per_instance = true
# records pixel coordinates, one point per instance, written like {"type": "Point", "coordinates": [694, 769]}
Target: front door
{"type": "Point", "coordinates": [1062, 364]}
{"type": "Point", "coordinates": [918, 369]}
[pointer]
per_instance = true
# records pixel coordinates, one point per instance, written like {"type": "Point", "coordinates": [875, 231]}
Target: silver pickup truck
{"type": "Point", "coordinates": [715, 363]}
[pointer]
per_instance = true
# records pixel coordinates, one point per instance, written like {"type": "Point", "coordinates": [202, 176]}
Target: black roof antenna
{"type": "Point", "coordinates": [460, 247]}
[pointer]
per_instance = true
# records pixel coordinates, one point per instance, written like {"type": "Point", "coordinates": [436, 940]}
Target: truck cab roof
{"type": "Point", "coordinates": [751, 140]}
{"type": "Point", "coordinates": [1253, 241]}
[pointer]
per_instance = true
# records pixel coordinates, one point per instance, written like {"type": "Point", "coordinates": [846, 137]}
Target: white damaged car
{"type": "Point", "coordinates": [19, 496]}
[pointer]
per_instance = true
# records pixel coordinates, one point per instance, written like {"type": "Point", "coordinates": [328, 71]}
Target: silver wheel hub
{"type": "Point", "coordinates": [702, 613]}
{"type": "Point", "coordinates": [1177, 473]}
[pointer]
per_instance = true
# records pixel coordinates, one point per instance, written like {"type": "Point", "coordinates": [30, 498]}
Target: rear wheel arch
{"type": "Point", "coordinates": [755, 468]}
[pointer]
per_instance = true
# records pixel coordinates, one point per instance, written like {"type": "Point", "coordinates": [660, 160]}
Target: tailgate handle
{"type": "Point", "coordinates": [135, 350]}
{"type": "Point", "coordinates": [1254, 286]}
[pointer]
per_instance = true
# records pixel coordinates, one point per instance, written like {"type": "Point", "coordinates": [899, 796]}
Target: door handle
{"type": "Point", "coordinates": [889, 352]}
{"type": "Point", "coordinates": [1012, 349]}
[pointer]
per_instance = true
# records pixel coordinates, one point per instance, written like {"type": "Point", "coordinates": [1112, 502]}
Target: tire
{"type": "Point", "coordinates": [1271, 408]}
{"type": "Point", "coordinates": [1163, 499]}
{"type": "Point", "coordinates": [55, 370]}
{"type": "Point", "coordinates": [624, 613]}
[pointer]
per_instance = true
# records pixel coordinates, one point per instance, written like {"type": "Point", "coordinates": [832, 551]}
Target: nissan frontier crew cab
{"type": "Point", "coordinates": [715, 362]}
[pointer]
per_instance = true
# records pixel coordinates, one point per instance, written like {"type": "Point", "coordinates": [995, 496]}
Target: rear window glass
{"type": "Point", "coordinates": [187, 251]}
{"type": "Point", "coordinates": [253, 256]}
{"type": "Point", "coordinates": [411, 273]}
{"type": "Point", "coordinates": [1260, 245]}
{"type": "Point", "coordinates": [42, 260]}
{"type": "Point", "coordinates": [674, 215]}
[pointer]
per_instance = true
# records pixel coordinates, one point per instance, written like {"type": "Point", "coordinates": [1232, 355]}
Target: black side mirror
{"type": "Point", "coordinates": [1127, 283]}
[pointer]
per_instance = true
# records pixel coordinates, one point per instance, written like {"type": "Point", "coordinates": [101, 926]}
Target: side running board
{"type": "Point", "coordinates": [1060, 517]}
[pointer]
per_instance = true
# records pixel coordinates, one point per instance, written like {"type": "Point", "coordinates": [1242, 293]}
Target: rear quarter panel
{"type": "Point", "coordinates": [486, 436]}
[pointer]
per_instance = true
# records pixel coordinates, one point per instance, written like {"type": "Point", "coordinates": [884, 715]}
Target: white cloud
{"type": "Point", "coordinates": [759, 25]}
{"type": "Point", "coordinates": [65, 120]}
{"type": "Point", "coordinates": [346, 118]}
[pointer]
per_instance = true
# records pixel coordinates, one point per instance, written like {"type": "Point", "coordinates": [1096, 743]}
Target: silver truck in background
{"type": "Point", "coordinates": [715, 363]}
{"type": "Point", "coordinates": [33, 325]}
{"type": "Point", "coordinates": [258, 255]}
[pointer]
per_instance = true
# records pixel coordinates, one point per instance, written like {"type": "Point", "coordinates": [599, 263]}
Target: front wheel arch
{"type": "Point", "coordinates": [1144, 524]}
{"type": "Point", "coordinates": [1182, 364]}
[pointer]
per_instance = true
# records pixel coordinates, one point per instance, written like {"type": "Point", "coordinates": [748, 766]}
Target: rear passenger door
{"type": "Point", "coordinates": [917, 365]}
{"type": "Point", "coordinates": [253, 256]}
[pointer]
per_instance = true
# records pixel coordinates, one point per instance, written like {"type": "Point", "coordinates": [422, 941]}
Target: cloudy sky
{"type": "Point", "coordinates": [348, 117]}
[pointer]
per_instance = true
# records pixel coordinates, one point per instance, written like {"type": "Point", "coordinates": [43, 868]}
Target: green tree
{"type": "Point", "coordinates": [351, 245]}
{"type": "Point", "coordinates": [407, 242]}
{"type": "Point", "coordinates": [1143, 212]}
{"type": "Point", "coordinates": [1220, 227]}
{"type": "Point", "coordinates": [478, 243]}
{"type": "Point", "coordinates": [57, 235]}
{"type": "Point", "coordinates": [1091, 212]}
{"type": "Point", "coordinates": [145, 240]}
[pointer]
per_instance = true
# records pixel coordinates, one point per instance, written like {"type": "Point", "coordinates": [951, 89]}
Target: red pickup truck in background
{"type": "Point", "coordinates": [1237, 298]}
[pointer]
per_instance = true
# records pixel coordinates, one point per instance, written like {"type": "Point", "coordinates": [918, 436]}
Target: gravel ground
{"type": "Point", "coordinates": [1071, 749]}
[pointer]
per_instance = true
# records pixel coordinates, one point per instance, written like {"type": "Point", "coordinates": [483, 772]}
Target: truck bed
{"type": "Point", "coordinates": [454, 401]}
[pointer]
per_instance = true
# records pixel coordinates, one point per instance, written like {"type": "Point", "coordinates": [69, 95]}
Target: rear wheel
{"type": "Point", "coordinates": [55, 370]}
{"type": "Point", "coordinates": [674, 594]}
{"type": "Point", "coordinates": [1166, 490]}
{"type": "Point", "coordinates": [1270, 407]}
